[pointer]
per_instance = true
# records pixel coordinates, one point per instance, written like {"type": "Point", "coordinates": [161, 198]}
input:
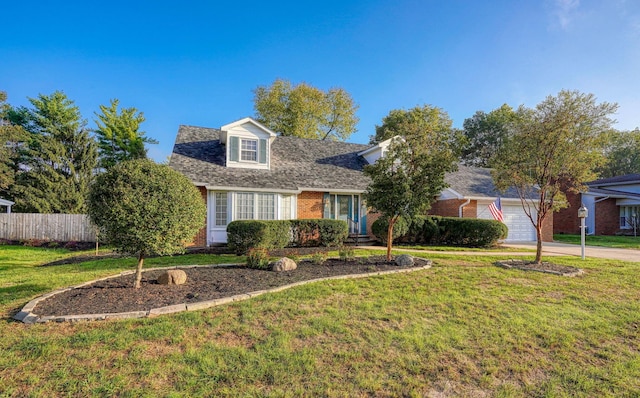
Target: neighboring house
{"type": "Point", "coordinates": [613, 205]}
{"type": "Point", "coordinates": [245, 171]}
{"type": "Point", "coordinates": [470, 193]}
{"type": "Point", "coordinates": [7, 204]}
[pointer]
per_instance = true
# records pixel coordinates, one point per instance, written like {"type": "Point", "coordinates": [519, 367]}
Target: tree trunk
{"type": "Point", "coordinates": [539, 243]}
{"type": "Point", "coordinates": [392, 221]}
{"type": "Point", "coordinates": [139, 270]}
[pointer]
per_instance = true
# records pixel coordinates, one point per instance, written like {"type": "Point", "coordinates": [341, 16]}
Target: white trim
{"type": "Point", "coordinates": [249, 189]}
{"type": "Point", "coordinates": [242, 121]}
{"type": "Point", "coordinates": [331, 190]}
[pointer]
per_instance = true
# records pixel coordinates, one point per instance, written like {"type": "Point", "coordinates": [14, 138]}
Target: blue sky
{"type": "Point", "coordinates": [197, 62]}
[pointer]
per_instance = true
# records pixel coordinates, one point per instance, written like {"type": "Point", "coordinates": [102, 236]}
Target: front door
{"type": "Point", "coordinates": [346, 208]}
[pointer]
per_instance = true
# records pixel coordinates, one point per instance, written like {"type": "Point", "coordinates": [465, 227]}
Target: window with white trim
{"type": "Point", "coordinates": [244, 206]}
{"type": "Point", "coordinates": [629, 217]}
{"type": "Point", "coordinates": [285, 207]}
{"type": "Point", "coordinates": [221, 208]}
{"type": "Point", "coordinates": [266, 206]}
{"type": "Point", "coordinates": [249, 150]}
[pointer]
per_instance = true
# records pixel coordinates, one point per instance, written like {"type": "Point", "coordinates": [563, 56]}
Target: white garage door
{"type": "Point", "coordinates": [520, 227]}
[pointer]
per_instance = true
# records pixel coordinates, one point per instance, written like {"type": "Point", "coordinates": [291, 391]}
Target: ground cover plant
{"type": "Point", "coordinates": [462, 328]}
{"type": "Point", "coordinates": [621, 242]}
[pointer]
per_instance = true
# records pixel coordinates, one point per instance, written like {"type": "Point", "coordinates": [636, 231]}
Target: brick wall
{"type": "Point", "coordinates": [450, 208]}
{"type": "Point", "coordinates": [566, 220]}
{"type": "Point", "coordinates": [547, 227]}
{"type": "Point", "coordinates": [310, 205]}
{"type": "Point", "coordinates": [607, 217]}
{"type": "Point", "coordinates": [200, 240]}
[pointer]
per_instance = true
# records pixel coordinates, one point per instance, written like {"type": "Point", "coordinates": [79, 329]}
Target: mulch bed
{"type": "Point", "coordinates": [203, 283]}
{"type": "Point", "coordinates": [546, 267]}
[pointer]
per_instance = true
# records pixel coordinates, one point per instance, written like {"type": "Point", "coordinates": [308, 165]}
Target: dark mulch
{"type": "Point", "coordinates": [203, 283]}
{"type": "Point", "coordinates": [545, 266]}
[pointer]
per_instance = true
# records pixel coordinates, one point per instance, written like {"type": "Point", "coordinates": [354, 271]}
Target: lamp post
{"type": "Point", "coordinates": [582, 215]}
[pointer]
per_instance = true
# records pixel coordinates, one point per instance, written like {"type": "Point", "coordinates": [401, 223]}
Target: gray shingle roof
{"type": "Point", "coordinates": [296, 163]}
{"type": "Point", "coordinates": [476, 182]}
{"type": "Point", "coordinates": [618, 180]}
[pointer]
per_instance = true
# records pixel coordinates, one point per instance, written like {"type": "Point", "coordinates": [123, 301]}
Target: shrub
{"type": "Point", "coordinates": [246, 234]}
{"type": "Point", "coordinates": [346, 253]}
{"type": "Point", "coordinates": [471, 232]}
{"type": "Point", "coordinates": [422, 229]}
{"type": "Point", "coordinates": [318, 232]}
{"type": "Point", "coordinates": [258, 259]}
{"type": "Point", "coordinates": [318, 258]}
{"type": "Point", "coordinates": [380, 227]}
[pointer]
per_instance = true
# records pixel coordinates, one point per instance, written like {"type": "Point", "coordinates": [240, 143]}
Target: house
{"type": "Point", "coordinates": [612, 204]}
{"type": "Point", "coordinates": [470, 193]}
{"type": "Point", "coordinates": [7, 204]}
{"type": "Point", "coordinates": [245, 171]}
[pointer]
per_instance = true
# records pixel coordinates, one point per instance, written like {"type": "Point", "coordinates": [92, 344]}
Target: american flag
{"type": "Point", "coordinates": [496, 210]}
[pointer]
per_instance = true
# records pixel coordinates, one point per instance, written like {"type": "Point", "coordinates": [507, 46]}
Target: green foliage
{"type": "Point", "coordinates": [423, 229]}
{"type": "Point", "coordinates": [346, 253]}
{"type": "Point", "coordinates": [319, 232]}
{"type": "Point", "coordinates": [57, 163]}
{"type": "Point", "coordinates": [258, 258]}
{"type": "Point", "coordinates": [469, 232]}
{"type": "Point", "coordinates": [14, 137]}
{"type": "Point", "coordinates": [380, 228]}
{"type": "Point", "coordinates": [407, 179]}
{"type": "Point", "coordinates": [146, 208]}
{"type": "Point", "coordinates": [484, 133]}
{"type": "Point", "coordinates": [305, 111]}
{"type": "Point", "coordinates": [559, 141]}
{"type": "Point", "coordinates": [319, 258]}
{"type": "Point", "coordinates": [622, 152]}
{"type": "Point", "coordinates": [243, 235]}
{"type": "Point", "coordinates": [118, 135]}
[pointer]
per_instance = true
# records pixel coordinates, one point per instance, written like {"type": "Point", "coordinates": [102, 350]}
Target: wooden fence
{"type": "Point", "coordinates": [47, 227]}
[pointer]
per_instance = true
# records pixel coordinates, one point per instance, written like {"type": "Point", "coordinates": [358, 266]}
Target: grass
{"type": "Point", "coordinates": [621, 242]}
{"type": "Point", "coordinates": [462, 328]}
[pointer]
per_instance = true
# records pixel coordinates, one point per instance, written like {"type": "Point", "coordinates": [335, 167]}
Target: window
{"type": "Point", "coordinates": [285, 207]}
{"type": "Point", "coordinates": [629, 217]}
{"type": "Point", "coordinates": [266, 206]}
{"type": "Point", "coordinates": [244, 206]}
{"type": "Point", "coordinates": [249, 150]}
{"type": "Point", "coordinates": [221, 208]}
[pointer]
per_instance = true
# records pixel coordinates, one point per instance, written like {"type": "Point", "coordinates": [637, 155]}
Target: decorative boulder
{"type": "Point", "coordinates": [173, 277]}
{"type": "Point", "coordinates": [404, 260]}
{"type": "Point", "coordinates": [284, 264]}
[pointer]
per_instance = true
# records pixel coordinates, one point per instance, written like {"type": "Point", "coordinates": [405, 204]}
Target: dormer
{"type": "Point", "coordinates": [247, 144]}
{"type": "Point", "coordinates": [377, 151]}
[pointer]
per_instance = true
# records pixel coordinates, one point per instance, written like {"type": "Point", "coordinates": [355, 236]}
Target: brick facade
{"type": "Point", "coordinates": [607, 217]}
{"type": "Point", "coordinates": [200, 240]}
{"type": "Point", "coordinates": [310, 205]}
{"type": "Point", "coordinates": [547, 227]}
{"type": "Point", "coordinates": [450, 208]}
{"type": "Point", "coordinates": [565, 221]}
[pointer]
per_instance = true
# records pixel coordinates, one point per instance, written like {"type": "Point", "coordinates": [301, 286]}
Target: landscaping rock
{"type": "Point", "coordinates": [284, 264]}
{"type": "Point", "coordinates": [173, 277]}
{"type": "Point", "coordinates": [404, 260]}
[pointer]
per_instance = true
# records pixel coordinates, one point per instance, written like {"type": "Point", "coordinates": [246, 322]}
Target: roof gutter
{"type": "Point", "coordinates": [461, 206]}
{"type": "Point", "coordinates": [601, 199]}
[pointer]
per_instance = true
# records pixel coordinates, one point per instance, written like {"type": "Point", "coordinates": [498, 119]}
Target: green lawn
{"type": "Point", "coordinates": [622, 242]}
{"type": "Point", "coordinates": [462, 328]}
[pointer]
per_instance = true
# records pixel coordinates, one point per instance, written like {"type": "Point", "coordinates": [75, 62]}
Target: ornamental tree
{"type": "Point", "coordinates": [407, 179]}
{"type": "Point", "coordinates": [306, 111]}
{"type": "Point", "coordinates": [146, 208]}
{"type": "Point", "coordinates": [558, 142]}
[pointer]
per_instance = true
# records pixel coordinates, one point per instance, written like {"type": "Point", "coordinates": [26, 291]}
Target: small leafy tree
{"type": "Point", "coordinates": [407, 179]}
{"type": "Point", "coordinates": [146, 208]}
{"type": "Point", "coordinates": [306, 111]}
{"type": "Point", "coordinates": [560, 141]}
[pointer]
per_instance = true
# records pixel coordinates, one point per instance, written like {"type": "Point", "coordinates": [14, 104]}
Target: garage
{"type": "Point", "coordinates": [520, 227]}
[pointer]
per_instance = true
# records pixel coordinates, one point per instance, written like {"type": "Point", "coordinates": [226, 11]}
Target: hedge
{"type": "Point", "coordinates": [380, 227]}
{"type": "Point", "coordinates": [277, 234]}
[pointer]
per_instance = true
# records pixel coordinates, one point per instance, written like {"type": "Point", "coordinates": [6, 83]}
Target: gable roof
{"type": "Point", "coordinates": [475, 183]}
{"type": "Point", "coordinates": [618, 180]}
{"type": "Point", "coordinates": [296, 164]}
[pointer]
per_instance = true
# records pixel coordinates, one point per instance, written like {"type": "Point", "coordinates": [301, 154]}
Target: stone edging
{"type": "Point", "coordinates": [27, 316]}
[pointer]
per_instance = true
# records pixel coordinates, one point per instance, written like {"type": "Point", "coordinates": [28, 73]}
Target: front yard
{"type": "Point", "coordinates": [620, 242]}
{"type": "Point", "coordinates": [462, 328]}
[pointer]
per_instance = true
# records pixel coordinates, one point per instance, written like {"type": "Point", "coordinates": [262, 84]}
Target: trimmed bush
{"type": "Point", "coordinates": [246, 234]}
{"type": "Point", "coordinates": [258, 259]}
{"type": "Point", "coordinates": [318, 232]}
{"type": "Point", "coordinates": [380, 227]}
{"type": "Point", "coordinates": [470, 232]}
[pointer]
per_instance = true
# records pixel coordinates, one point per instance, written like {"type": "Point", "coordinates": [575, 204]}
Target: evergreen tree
{"type": "Point", "coordinates": [60, 158]}
{"type": "Point", "coordinates": [118, 135]}
{"type": "Point", "coordinates": [13, 137]}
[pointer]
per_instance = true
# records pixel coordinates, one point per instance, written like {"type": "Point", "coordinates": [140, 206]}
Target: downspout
{"type": "Point", "coordinates": [601, 199]}
{"type": "Point", "coordinates": [461, 206]}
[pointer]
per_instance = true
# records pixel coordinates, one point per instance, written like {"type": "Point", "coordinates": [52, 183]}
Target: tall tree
{"type": "Point", "coordinates": [622, 154]}
{"type": "Point", "coordinates": [13, 137]}
{"type": "Point", "coordinates": [305, 111]}
{"type": "Point", "coordinates": [558, 142]}
{"type": "Point", "coordinates": [145, 208]}
{"type": "Point", "coordinates": [407, 179]}
{"type": "Point", "coordinates": [119, 136]}
{"type": "Point", "coordinates": [484, 134]}
{"type": "Point", "coordinates": [60, 158]}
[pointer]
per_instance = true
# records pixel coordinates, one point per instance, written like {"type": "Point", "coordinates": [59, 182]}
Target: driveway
{"type": "Point", "coordinates": [565, 249]}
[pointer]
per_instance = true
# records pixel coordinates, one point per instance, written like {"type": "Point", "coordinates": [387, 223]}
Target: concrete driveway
{"type": "Point", "coordinates": [565, 249]}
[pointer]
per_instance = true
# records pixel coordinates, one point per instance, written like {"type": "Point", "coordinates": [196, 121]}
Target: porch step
{"type": "Point", "coordinates": [359, 240]}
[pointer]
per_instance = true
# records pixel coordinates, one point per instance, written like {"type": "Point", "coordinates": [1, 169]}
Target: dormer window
{"type": "Point", "coordinates": [249, 150]}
